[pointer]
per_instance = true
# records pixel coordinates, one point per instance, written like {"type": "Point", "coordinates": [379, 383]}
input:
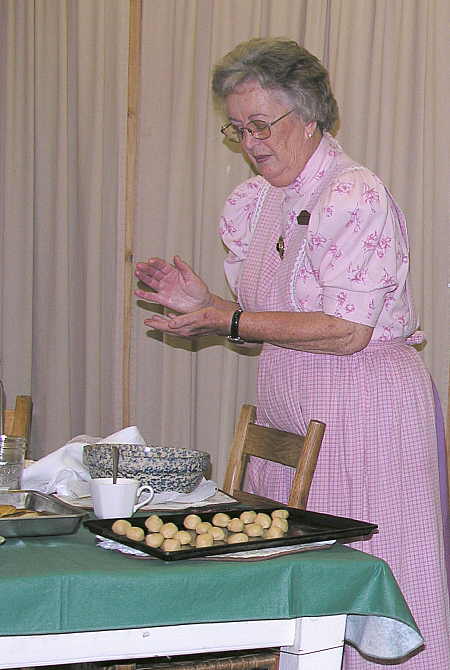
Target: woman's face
{"type": "Point", "coordinates": [281, 157]}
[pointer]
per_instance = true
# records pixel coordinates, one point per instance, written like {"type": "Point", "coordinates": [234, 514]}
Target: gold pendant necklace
{"type": "Point", "coordinates": [280, 246]}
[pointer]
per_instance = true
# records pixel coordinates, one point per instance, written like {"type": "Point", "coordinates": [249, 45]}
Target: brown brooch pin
{"type": "Point", "coordinates": [303, 218]}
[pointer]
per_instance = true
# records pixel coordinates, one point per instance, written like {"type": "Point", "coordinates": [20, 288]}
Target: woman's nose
{"type": "Point", "coordinates": [248, 140]}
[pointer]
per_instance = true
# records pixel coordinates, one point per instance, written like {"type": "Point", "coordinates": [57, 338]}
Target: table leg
{"type": "Point", "coordinates": [318, 644]}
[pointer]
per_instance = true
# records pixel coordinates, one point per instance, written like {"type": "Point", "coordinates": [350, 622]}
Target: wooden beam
{"type": "Point", "coordinates": [448, 438]}
{"type": "Point", "coordinates": [134, 59]}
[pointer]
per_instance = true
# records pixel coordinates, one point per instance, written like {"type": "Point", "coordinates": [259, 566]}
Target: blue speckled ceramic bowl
{"type": "Point", "coordinates": [163, 468]}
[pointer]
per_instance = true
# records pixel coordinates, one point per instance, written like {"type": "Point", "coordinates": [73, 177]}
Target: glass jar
{"type": "Point", "coordinates": [12, 457]}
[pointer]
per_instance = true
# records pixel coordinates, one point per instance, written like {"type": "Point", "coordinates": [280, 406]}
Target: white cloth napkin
{"type": "Point", "coordinates": [62, 471]}
{"type": "Point", "coordinates": [205, 489]}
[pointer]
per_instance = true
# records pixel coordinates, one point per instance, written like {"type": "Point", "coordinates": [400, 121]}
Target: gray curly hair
{"type": "Point", "coordinates": [283, 66]}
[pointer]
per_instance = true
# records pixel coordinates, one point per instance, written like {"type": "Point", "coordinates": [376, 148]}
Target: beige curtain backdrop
{"type": "Point", "coordinates": [62, 157]}
{"type": "Point", "coordinates": [63, 132]}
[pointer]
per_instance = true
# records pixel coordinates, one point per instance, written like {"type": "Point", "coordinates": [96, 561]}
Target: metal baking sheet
{"type": "Point", "coordinates": [304, 527]}
{"type": "Point", "coordinates": [56, 517]}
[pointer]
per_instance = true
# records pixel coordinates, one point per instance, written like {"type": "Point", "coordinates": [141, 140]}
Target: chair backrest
{"type": "Point", "coordinates": [297, 451]}
{"type": "Point", "coordinates": [17, 421]}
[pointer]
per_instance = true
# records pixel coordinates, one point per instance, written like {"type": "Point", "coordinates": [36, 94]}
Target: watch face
{"type": "Point", "coordinates": [236, 340]}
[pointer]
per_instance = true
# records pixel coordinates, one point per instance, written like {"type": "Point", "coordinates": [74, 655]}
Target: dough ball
{"type": "Point", "coordinates": [204, 540]}
{"type": "Point", "coordinates": [191, 521]}
{"type": "Point", "coordinates": [153, 523]}
{"type": "Point", "coordinates": [120, 526]}
{"type": "Point", "coordinates": [254, 530]}
{"type": "Point", "coordinates": [280, 514]}
{"type": "Point", "coordinates": [272, 533]}
{"type": "Point", "coordinates": [154, 539]}
{"type": "Point", "coordinates": [203, 527]}
{"type": "Point", "coordinates": [168, 530]}
{"type": "Point", "coordinates": [263, 519]}
{"type": "Point", "coordinates": [280, 523]}
{"type": "Point", "coordinates": [247, 517]}
{"type": "Point", "coordinates": [218, 533]}
{"type": "Point", "coordinates": [235, 538]}
{"type": "Point", "coordinates": [183, 536]}
{"type": "Point", "coordinates": [171, 544]}
{"type": "Point", "coordinates": [135, 533]}
{"type": "Point", "coordinates": [235, 525]}
{"type": "Point", "coordinates": [220, 519]}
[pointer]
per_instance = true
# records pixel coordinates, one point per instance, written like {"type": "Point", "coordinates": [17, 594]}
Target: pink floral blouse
{"type": "Point", "coordinates": [354, 263]}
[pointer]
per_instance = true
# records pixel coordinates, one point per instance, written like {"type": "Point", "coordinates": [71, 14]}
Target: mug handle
{"type": "Point", "coordinates": [146, 500]}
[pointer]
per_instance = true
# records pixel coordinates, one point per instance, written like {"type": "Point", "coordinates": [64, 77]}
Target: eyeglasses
{"type": "Point", "coordinates": [260, 130]}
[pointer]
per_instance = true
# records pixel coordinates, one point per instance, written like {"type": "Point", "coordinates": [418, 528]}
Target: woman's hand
{"type": "Point", "coordinates": [174, 286]}
{"type": "Point", "coordinates": [206, 321]}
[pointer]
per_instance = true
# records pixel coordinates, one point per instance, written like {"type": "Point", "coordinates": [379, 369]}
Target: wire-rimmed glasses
{"type": "Point", "coordinates": [260, 130]}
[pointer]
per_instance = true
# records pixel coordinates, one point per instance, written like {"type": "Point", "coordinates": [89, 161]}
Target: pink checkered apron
{"type": "Point", "coordinates": [378, 462]}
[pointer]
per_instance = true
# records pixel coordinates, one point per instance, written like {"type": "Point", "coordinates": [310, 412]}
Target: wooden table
{"type": "Point", "coordinates": [308, 643]}
{"type": "Point", "coordinates": [64, 600]}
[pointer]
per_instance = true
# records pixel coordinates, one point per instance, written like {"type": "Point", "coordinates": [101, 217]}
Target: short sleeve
{"type": "Point", "coordinates": [354, 248]}
{"type": "Point", "coordinates": [236, 225]}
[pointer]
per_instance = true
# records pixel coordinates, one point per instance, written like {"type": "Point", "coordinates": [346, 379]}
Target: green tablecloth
{"type": "Point", "coordinates": [67, 584]}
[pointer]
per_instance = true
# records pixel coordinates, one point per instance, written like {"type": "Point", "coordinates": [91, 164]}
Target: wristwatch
{"type": "Point", "coordinates": [234, 328]}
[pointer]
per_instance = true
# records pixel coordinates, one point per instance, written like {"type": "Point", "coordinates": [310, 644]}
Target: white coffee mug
{"type": "Point", "coordinates": [117, 500]}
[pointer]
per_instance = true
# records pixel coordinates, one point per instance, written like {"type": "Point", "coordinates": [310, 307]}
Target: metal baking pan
{"type": "Point", "coordinates": [304, 527]}
{"type": "Point", "coordinates": [55, 517]}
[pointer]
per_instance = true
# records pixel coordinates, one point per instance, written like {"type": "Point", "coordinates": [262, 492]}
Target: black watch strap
{"type": "Point", "coordinates": [234, 328]}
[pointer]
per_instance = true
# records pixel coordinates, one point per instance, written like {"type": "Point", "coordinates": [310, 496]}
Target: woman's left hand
{"type": "Point", "coordinates": [206, 321]}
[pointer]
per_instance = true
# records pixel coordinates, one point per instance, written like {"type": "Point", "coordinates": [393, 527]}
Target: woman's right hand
{"type": "Point", "coordinates": [174, 286]}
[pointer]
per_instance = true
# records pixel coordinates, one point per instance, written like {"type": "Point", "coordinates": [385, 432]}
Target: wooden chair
{"type": "Point", "coordinates": [17, 421]}
{"type": "Point", "coordinates": [297, 451]}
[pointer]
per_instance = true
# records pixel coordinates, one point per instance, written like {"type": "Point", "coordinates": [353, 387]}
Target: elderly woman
{"type": "Point", "coordinates": [318, 260]}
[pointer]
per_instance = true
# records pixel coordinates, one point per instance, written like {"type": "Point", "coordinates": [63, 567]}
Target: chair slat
{"type": "Point", "coordinates": [273, 445]}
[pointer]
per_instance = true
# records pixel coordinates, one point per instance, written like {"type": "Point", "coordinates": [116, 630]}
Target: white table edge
{"type": "Point", "coordinates": [315, 642]}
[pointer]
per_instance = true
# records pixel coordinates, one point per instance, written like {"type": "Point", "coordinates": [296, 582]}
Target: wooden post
{"type": "Point", "coordinates": [448, 438]}
{"type": "Point", "coordinates": [134, 54]}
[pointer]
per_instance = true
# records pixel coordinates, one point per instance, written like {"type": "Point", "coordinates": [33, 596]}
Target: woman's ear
{"type": "Point", "coordinates": [310, 129]}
